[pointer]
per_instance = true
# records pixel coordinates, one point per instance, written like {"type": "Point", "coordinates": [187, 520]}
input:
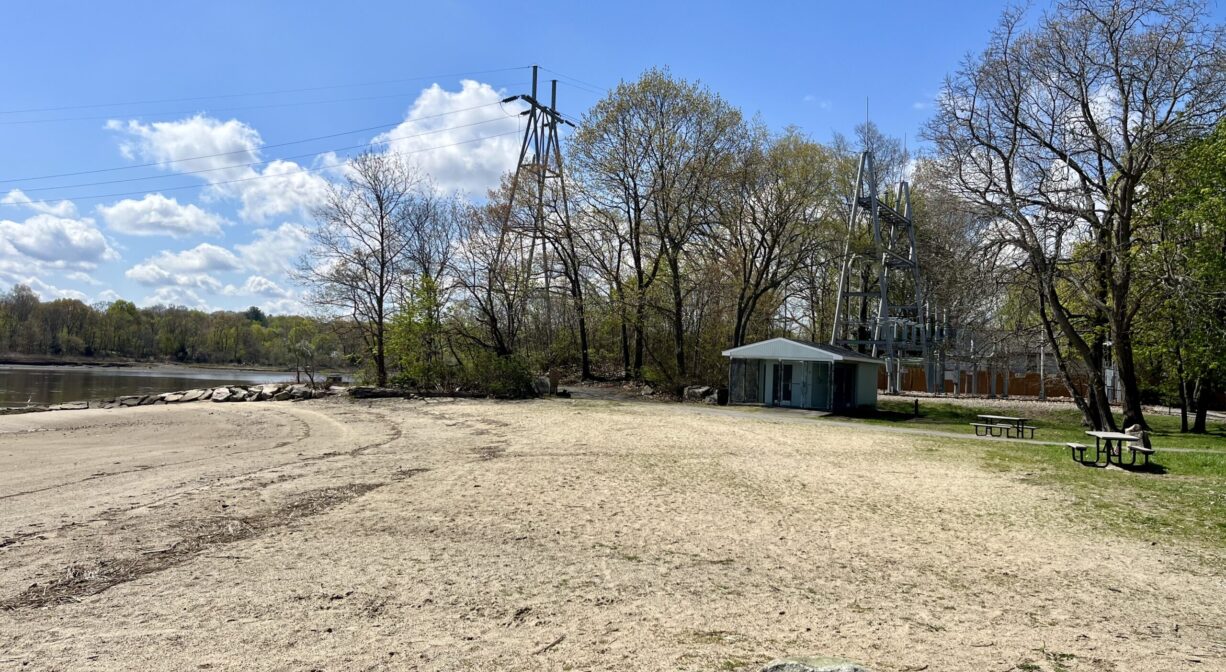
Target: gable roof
{"type": "Point", "coordinates": [795, 349]}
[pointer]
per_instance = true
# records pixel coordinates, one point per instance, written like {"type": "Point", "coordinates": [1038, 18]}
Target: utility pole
{"type": "Point", "coordinates": [540, 157]}
{"type": "Point", "coordinates": [898, 331]}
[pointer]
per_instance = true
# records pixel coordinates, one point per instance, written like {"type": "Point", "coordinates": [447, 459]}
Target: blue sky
{"type": "Point", "coordinates": [223, 235]}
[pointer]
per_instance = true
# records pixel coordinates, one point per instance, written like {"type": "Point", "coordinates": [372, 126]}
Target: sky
{"type": "Point", "coordinates": [166, 152]}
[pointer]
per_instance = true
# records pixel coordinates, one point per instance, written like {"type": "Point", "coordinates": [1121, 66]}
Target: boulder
{"type": "Point", "coordinates": [149, 400]}
{"type": "Point", "coordinates": [812, 664]}
{"type": "Point", "coordinates": [221, 394]}
{"type": "Point", "coordinates": [172, 398]}
{"type": "Point", "coordinates": [696, 392]}
{"type": "Point", "coordinates": [283, 395]}
{"type": "Point", "coordinates": [71, 406]}
{"type": "Point", "coordinates": [648, 391]}
{"type": "Point", "coordinates": [191, 395]}
{"type": "Point", "coordinates": [129, 400]}
{"type": "Point", "coordinates": [540, 385]}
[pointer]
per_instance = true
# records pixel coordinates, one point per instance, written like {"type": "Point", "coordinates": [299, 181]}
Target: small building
{"type": "Point", "coordinates": [800, 374]}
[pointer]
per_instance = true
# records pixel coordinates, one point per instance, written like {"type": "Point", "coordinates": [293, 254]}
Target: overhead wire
{"type": "Point", "coordinates": [241, 151]}
{"type": "Point", "coordinates": [257, 177]}
{"type": "Point", "coordinates": [262, 93]}
{"type": "Point", "coordinates": [265, 161]}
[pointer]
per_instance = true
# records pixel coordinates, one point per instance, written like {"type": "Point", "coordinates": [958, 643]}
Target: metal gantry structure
{"type": "Point", "coordinates": [880, 309]}
{"type": "Point", "coordinates": [540, 158]}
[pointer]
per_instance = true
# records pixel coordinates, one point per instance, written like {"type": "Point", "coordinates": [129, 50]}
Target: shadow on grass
{"type": "Point", "coordinates": [1151, 468]}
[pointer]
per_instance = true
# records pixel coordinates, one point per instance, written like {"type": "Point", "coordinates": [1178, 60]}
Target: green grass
{"type": "Point", "coordinates": [1181, 497]}
{"type": "Point", "coordinates": [1058, 424]}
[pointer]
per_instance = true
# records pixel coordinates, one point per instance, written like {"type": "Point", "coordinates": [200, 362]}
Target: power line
{"type": "Point", "coordinates": [241, 151]}
{"type": "Point", "coordinates": [257, 163]}
{"type": "Point", "coordinates": [259, 93]}
{"type": "Point", "coordinates": [261, 177]}
{"type": "Point", "coordinates": [576, 80]}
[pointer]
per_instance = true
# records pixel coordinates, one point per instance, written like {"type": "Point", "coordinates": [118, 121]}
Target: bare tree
{"type": "Point", "coordinates": [768, 227]}
{"type": "Point", "coordinates": [359, 246]}
{"type": "Point", "coordinates": [1051, 131]}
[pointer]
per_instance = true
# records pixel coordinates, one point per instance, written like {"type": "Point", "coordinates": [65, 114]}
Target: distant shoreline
{"type": "Point", "coordinates": [10, 358]}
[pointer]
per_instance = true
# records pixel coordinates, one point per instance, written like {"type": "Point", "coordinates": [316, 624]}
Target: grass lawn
{"type": "Point", "coordinates": [1059, 424]}
{"type": "Point", "coordinates": [1182, 495]}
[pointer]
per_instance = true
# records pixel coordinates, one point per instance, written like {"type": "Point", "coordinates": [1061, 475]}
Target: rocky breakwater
{"type": "Point", "coordinates": [228, 393]}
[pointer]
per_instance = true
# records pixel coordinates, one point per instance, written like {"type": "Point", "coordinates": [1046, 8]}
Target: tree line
{"type": "Point", "coordinates": [1069, 200]}
{"type": "Point", "coordinates": [73, 330]}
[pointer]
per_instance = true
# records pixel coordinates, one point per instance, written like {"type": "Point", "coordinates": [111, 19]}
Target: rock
{"type": "Point", "coordinates": [172, 398]}
{"type": "Point", "coordinates": [150, 400]}
{"type": "Point", "coordinates": [129, 400]}
{"type": "Point", "coordinates": [711, 399]}
{"type": "Point", "coordinates": [220, 394]}
{"type": "Point", "coordinates": [696, 392]}
{"type": "Point", "coordinates": [71, 406]}
{"type": "Point", "coordinates": [812, 664]}
{"type": "Point", "coordinates": [540, 385]}
{"type": "Point", "coordinates": [648, 391]}
{"type": "Point", "coordinates": [191, 395]}
{"type": "Point", "coordinates": [282, 395]}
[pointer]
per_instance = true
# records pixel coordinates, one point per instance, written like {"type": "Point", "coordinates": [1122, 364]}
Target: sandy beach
{"type": "Point", "coordinates": [558, 534]}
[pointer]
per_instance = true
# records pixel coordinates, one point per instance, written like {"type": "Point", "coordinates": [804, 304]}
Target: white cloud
{"type": "Point", "coordinates": [474, 166]}
{"type": "Point", "coordinates": [157, 215]}
{"type": "Point", "coordinates": [257, 285]}
{"type": "Point", "coordinates": [57, 242]}
{"type": "Point", "coordinates": [48, 292]}
{"type": "Point", "coordinates": [189, 268]}
{"type": "Point", "coordinates": [175, 296]}
{"type": "Point", "coordinates": [83, 277]}
{"type": "Point", "coordinates": [275, 251]}
{"type": "Point", "coordinates": [226, 148]}
{"type": "Point", "coordinates": [227, 145]}
{"type": "Point", "coordinates": [58, 209]}
{"type": "Point", "coordinates": [108, 295]}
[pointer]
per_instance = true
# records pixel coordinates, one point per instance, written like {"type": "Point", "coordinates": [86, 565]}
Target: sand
{"type": "Point", "coordinates": [554, 535]}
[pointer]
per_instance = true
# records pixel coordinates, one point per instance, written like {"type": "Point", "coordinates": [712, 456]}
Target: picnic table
{"type": "Point", "coordinates": [995, 425]}
{"type": "Point", "coordinates": [1113, 444]}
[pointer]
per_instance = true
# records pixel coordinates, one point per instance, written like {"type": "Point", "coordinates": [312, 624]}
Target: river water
{"type": "Point", "coordinates": [21, 385]}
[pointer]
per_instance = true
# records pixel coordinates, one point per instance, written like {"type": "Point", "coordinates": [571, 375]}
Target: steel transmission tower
{"type": "Point", "coordinates": [866, 317]}
{"type": "Point", "coordinates": [540, 160]}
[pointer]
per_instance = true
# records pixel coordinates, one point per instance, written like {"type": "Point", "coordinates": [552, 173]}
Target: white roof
{"type": "Point", "coordinates": [803, 351]}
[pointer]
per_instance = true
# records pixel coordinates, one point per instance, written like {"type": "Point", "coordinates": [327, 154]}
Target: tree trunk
{"type": "Point", "coordinates": [1200, 426]}
{"type": "Point", "coordinates": [1126, 375]}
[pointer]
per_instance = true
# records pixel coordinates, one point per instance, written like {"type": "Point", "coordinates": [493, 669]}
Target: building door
{"type": "Point", "coordinates": [783, 384]}
{"type": "Point", "coordinates": [844, 387]}
{"type": "Point", "coordinates": [791, 384]}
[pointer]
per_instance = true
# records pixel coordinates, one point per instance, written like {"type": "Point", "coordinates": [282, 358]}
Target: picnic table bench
{"type": "Point", "coordinates": [1103, 443]}
{"type": "Point", "coordinates": [995, 425]}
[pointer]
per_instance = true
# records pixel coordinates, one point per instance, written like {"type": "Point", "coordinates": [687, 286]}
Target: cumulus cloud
{"type": "Point", "coordinates": [473, 166]}
{"type": "Point", "coordinates": [174, 296]}
{"type": "Point", "coordinates": [225, 145]}
{"type": "Point", "coordinates": [56, 242]}
{"type": "Point", "coordinates": [224, 148]}
{"type": "Point", "coordinates": [58, 208]}
{"type": "Point", "coordinates": [157, 215]}
{"type": "Point", "coordinates": [275, 251]}
{"type": "Point", "coordinates": [48, 292]}
{"type": "Point", "coordinates": [258, 285]}
{"type": "Point", "coordinates": [188, 268]}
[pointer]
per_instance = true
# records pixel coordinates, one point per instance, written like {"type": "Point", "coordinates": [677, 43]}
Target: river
{"type": "Point", "coordinates": [21, 384]}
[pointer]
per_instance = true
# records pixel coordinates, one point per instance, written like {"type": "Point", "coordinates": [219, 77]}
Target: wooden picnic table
{"type": "Point", "coordinates": [1015, 424]}
{"type": "Point", "coordinates": [1107, 438]}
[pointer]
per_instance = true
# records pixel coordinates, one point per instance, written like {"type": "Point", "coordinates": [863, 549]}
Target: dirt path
{"type": "Point", "coordinates": [556, 535]}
